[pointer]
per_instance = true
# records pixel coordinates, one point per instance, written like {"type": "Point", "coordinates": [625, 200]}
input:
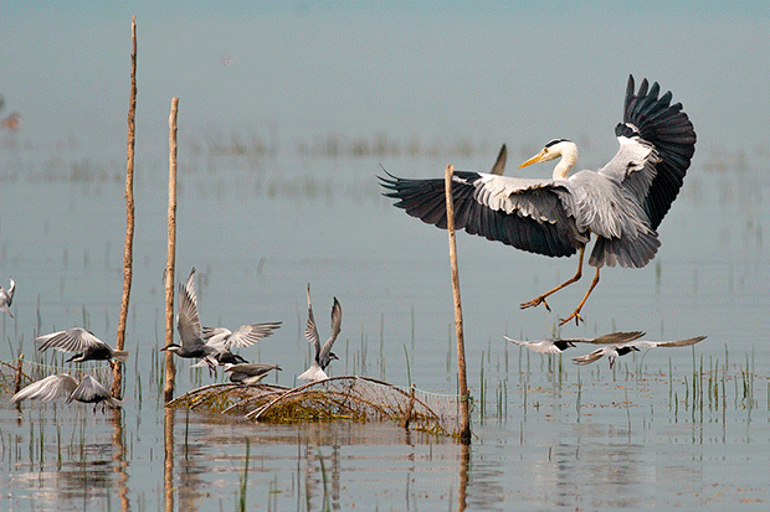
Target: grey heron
{"type": "Point", "coordinates": [622, 204]}
{"type": "Point", "coordinates": [323, 354]}
{"type": "Point", "coordinates": [84, 343]}
{"type": "Point", "coordinates": [249, 373]}
{"type": "Point", "coordinates": [615, 350]}
{"type": "Point", "coordinates": [6, 298]}
{"type": "Point", "coordinates": [559, 345]}
{"type": "Point", "coordinates": [89, 390]}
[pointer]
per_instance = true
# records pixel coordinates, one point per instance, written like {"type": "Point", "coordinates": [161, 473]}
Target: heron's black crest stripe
{"type": "Point", "coordinates": [553, 142]}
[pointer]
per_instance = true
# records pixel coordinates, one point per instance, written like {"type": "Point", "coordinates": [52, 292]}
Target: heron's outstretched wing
{"type": "Point", "coordinates": [657, 142]}
{"type": "Point", "coordinates": [529, 214]}
{"type": "Point", "coordinates": [47, 389]}
{"type": "Point", "coordinates": [76, 339]}
{"type": "Point", "coordinates": [336, 327]}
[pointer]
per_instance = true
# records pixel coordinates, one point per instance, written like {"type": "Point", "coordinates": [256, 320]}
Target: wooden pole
{"type": "Point", "coordinates": [462, 377]}
{"type": "Point", "coordinates": [168, 390]}
{"type": "Point", "coordinates": [128, 248]}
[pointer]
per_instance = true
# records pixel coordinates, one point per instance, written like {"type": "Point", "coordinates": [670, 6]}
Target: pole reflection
{"type": "Point", "coordinates": [120, 458]}
{"type": "Point", "coordinates": [464, 459]}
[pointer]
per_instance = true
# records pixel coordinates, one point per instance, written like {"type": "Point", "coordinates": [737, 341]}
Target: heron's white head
{"type": "Point", "coordinates": [566, 149]}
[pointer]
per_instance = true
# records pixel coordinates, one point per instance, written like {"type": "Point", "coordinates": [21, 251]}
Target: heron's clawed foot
{"type": "Point", "coordinates": [575, 315]}
{"type": "Point", "coordinates": [535, 302]}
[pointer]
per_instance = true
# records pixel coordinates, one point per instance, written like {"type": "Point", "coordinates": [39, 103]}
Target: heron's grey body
{"type": "Point", "coordinates": [249, 373]}
{"type": "Point", "coordinates": [559, 345]}
{"type": "Point", "coordinates": [88, 390]}
{"type": "Point", "coordinates": [84, 343]}
{"type": "Point", "coordinates": [323, 354]}
{"type": "Point", "coordinates": [622, 203]}
{"type": "Point", "coordinates": [6, 298]}
{"type": "Point", "coordinates": [615, 350]}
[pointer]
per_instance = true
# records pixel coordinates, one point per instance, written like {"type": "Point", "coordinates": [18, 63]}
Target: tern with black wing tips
{"type": "Point", "coordinates": [622, 204]}
{"type": "Point", "coordinates": [89, 390]}
{"type": "Point", "coordinates": [323, 354]}
{"type": "Point", "coordinates": [615, 350]}
{"type": "Point", "coordinates": [84, 343]}
{"type": "Point", "coordinates": [249, 373]}
{"type": "Point", "coordinates": [6, 298]}
{"type": "Point", "coordinates": [559, 345]}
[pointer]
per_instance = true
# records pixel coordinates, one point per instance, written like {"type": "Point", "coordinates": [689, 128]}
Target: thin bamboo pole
{"type": "Point", "coordinates": [128, 248]}
{"type": "Point", "coordinates": [462, 376]}
{"type": "Point", "coordinates": [168, 390]}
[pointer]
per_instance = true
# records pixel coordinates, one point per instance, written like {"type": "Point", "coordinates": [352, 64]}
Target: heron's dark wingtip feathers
{"type": "Point", "coordinates": [670, 130]}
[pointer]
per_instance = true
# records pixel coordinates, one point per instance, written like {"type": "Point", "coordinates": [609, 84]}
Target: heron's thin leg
{"type": "Point", "coordinates": [541, 299]}
{"type": "Point", "coordinates": [576, 313]}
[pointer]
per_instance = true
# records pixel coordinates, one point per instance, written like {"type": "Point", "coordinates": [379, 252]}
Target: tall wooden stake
{"type": "Point", "coordinates": [168, 390]}
{"type": "Point", "coordinates": [128, 248]}
{"type": "Point", "coordinates": [462, 377]}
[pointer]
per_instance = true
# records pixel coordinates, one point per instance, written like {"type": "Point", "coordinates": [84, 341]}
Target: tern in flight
{"type": "Point", "coordinates": [323, 354]}
{"type": "Point", "coordinates": [559, 345]}
{"type": "Point", "coordinates": [615, 350]}
{"type": "Point", "coordinates": [84, 343]}
{"type": "Point", "coordinates": [214, 343]}
{"type": "Point", "coordinates": [188, 324]}
{"type": "Point", "coordinates": [6, 298]}
{"type": "Point", "coordinates": [622, 204]}
{"type": "Point", "coordinates": [89, 391]}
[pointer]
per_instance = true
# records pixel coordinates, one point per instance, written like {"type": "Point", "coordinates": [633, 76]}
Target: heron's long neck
{"type": "Point", "coordinates": [569, 156]}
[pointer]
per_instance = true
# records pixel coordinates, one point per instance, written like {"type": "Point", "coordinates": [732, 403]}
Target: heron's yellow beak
{"type": "Point", "coordinates": [540, 157]}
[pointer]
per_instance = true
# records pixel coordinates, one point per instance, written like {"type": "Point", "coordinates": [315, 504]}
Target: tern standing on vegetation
{"type": "Point", "coordinates": [616, 350]}
{"type": "Point", "coordinates": [6, 298]}
{"type": "Point", "coordinates": [622, 204]}
{"type": "Point", "coordinates": [559, 345]}
{"type": "Point", "coordinates": [89, 391]}
{"type": "Point", "coordinates": [83, 342]}
{"type": "Point", "coordinates": [323, 355]}
{"type": "Point", "coordinates": [249, 373]}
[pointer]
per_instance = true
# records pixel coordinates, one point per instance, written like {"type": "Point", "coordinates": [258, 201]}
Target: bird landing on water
{"type": "Point", "coordinates": [622, 204]}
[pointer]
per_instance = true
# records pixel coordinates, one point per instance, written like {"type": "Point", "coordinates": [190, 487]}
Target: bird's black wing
{"type": "Point", "coordinates": [670, 132]}
{"type": "Point", "coordinates": [531, 215]}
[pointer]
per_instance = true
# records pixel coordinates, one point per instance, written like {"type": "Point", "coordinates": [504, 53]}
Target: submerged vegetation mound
{"type": "Point", "coordinates": [352, 398]}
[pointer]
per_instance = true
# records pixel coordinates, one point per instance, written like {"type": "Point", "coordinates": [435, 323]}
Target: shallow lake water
{"type": "Point", "coordinates": [266, 207]}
